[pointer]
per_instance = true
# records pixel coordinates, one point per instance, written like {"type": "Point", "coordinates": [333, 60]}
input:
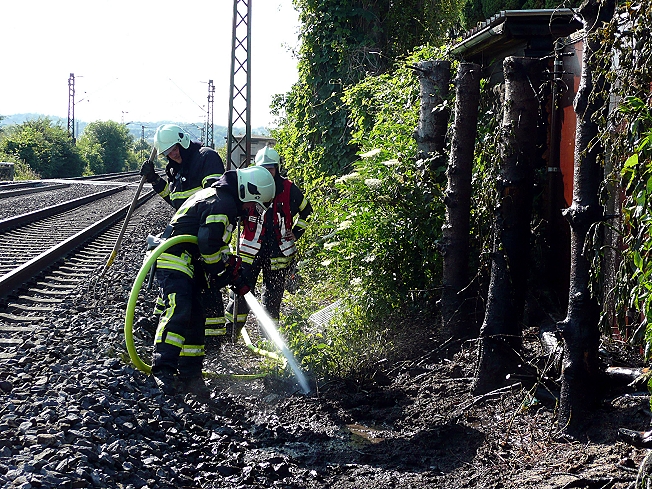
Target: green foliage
{"type": "Point", "coordinates": [344, 347]}
{"type": "Point", "coordinates": [372, 241]}
{"type": "Point", "coordinates": [386, 221]}
{"type": "Point", "coordinates": [633, 291]}
{"type": "Point", "coordinates": [343, 41]}
{"type": "Point", "coordinates": [484, 194]}
{"type": "Point", "coordinates": [630, 151]}
{"type": "Point", "coordinates": [43, 147]}
{"type": "Point", "coordinates": [93, 155]}
{"type": "Point", "coordinates": [384, 110]}
{"type": "Point", "coordinates": [377, 218]}
{"type": "Point", "coordinates": [22, 170]}
{"type": "Point", "coordinates": [221, 150]}
{"type": "Point", "coordinates": [109, 147]}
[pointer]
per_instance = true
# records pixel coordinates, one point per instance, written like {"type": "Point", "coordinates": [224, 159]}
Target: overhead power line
{"type": "Point", "coordinates": [201, 107]}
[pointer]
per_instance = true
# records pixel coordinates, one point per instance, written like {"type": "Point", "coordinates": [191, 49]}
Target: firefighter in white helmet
{"type": "Point", "coordinates": [210, 215]}
{"type": "Point", "coordinates": [268, 241]}
{"type": "Point", "coordinates": [190, 167]}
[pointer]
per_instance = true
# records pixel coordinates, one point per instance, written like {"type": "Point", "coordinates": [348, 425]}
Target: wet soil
{"type": "Point", "coordinates": [417, 425]}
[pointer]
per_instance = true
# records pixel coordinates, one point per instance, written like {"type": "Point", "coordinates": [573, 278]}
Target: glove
{"type": "Point", "coordinates": [240, 286]}
{"type": "Point", "coordinates": [147, 171]}
{"type": "Point", "coordinates": [234, 270]}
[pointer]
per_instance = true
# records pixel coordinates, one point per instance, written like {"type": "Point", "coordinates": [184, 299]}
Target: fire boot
{"type": "Point", "coordinates": [195, 386]}
{"type": "Point", "coordinates": [166, 381]}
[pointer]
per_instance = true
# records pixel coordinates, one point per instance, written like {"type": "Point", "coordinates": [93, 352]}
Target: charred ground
{"type": "Point", "coordinates": [75, 414]}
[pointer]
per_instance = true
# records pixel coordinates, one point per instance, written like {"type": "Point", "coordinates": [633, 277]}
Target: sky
{"type": "Point", "coordinates": [141, 60]}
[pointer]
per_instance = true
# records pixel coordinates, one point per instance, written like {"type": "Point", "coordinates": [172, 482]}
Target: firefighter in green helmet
{"type": "Point", "coordinates": [190, 167]}
{"type": "Point", "coordinates": [210, 215]}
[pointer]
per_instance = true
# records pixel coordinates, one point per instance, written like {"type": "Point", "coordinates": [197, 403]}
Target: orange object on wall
{"type": "Point", "coordinates": [573, 68]}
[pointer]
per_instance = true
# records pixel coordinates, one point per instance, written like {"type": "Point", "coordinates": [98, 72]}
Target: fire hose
{"type": "Point", "coordinates": [148, 263]}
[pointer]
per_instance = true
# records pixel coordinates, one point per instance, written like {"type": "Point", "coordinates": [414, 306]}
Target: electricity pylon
{"type": "Point", "coordinates": [239, 88]}
{"type": "Point", "coordinates": [71, 107]}
{"type": "Point", "coordinates": [209, 116]}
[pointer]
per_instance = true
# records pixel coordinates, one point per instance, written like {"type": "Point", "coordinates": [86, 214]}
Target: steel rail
{"type": "Point", "coordinates": [10, 184]}
{"type": "Point", "coordinates": [23, 191]}
{"type": "Point", "coordinates": [105, 176]}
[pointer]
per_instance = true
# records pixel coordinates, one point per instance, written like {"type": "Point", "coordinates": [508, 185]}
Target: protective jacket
{"type": "Point", "coordinates": [269, 233]}
{"type": "Point", "coordinates": [209, 215]}
{"type": "Point", "coordinates": [201, 167]}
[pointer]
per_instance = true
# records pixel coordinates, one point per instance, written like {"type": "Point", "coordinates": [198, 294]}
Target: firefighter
{"type": "Point", "coordinates": [209, 215]}
{"type": "Point", "coordinates": [268, 241]}
{"type": "Point", "coordinates": [190, 167]}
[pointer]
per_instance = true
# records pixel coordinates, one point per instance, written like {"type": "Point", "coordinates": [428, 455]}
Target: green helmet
{"type": "Point", "coordinates": [168, 135]}
{"type": "Point", "coordinates": [255, 184]}
{"type": "Point", "coordinates": [268, 156]}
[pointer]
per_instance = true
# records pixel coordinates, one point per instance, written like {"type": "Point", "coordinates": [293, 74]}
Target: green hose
{"type": "Point", "coordinates": [133, 299]}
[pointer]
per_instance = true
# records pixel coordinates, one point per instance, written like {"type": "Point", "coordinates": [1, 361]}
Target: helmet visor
{"type": "Point", "coordinates": [169, 150]}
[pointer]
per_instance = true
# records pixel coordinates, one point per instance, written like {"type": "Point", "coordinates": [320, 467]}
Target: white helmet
{"type": "Point", "coordinates": [268, 156]}
{"type": "Point", "coordinates": [168, 135]}
{"type": "Point", "coordinates": [255, 184]}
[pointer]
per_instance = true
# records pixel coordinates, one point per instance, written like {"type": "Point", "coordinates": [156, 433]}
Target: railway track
{"type": "Point", "coordinates": [15, 189]}
{"type": "Point", "coordinates": [45, 254]}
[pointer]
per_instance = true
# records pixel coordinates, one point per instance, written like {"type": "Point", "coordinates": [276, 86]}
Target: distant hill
{"type": "Point", "coordinates": [137, 129]}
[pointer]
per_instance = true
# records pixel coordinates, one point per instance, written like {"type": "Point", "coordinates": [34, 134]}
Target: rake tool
{"type": "Point", "coordinates": [118, 241]}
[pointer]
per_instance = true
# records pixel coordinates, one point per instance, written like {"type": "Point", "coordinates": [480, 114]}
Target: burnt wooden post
{"type": "Point", "coordinates": [581, 375]}
{"type": "Point", "coordinates": [430, 134]}
{"type": "Point", "coordinates": [456, 320]}
{"type": "Point", "coordinates": [501, 332]}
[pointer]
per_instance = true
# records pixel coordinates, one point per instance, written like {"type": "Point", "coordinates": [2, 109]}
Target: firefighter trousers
{"type": "Point", "coordinates": [213, 305]}
{"type": "Point", "coordinates": [179, 339]}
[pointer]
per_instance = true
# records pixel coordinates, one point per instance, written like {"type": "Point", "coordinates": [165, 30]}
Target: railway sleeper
{"type": "Point", "coordinates": [43, 300]}
{"type": "Point", "coordinates": [48, 292]}
{"type": "Point", "coordinates": [13, 329]}
{"type": "Point", "coordinates": [55, 285]}
{"type": "Point", "coordinates": [22, 307]}
{"type": "Point", "coordinates": [21, 319]}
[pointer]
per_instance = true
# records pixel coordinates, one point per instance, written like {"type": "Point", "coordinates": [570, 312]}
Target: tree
{"type": "Point", "coordinates": [455, 232]}
{"type": "Point", "coordinates": [115, 145]}
{"type": "Point", "coordinates": [93, 155]}
{"type": "Point", "coordinates": [44, 147]}
{"type": "Point", "coordinates": [580, 368]}
{"type": "Point", "coordinates": [501, 332]}
{"type": "Point", "coordinates": [434, 80]}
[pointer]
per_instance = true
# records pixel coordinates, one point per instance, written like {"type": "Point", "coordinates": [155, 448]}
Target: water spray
{"type": "Point", "coordinates": [272, 333]}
